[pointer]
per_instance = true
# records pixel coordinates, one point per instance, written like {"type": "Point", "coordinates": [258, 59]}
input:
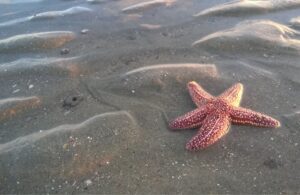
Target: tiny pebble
{"type": "Point", "coordinates": [88, 182]}
{"type": "Point", "coordinates": [16, 91]}
{"type": "Point", "coordinates": [30, 86]}
{"type": "Point", "coordinates": [84, 31]}
{"type": "Point", "coordinates": [64, 51]}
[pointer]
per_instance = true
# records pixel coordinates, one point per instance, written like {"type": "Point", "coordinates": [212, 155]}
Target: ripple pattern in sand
{"type": "Point", "coordinates": [18, 1]}
{"type": "Point", "coordinates": [155, 78]}
{"type": "Point", "coordinates": [146, 5]}
{"type": "Point", "coordinates": [10, 107]}
{"type": "Point", "coordinates": [242, 7]}
{"type": "Point", "coordinates": [41, 66]}
{"type": "Point", "coordinates": [93, 118]}
{"type": "Point", "coordinates": [295, 21]}
{"type": "Point", "coordinates": [36, 41]}
{"type": "Point", "coordinates": [47, 15]}
{"type": "Point", "coordinates": [252, 36]}
{"type": "Point", "coordinates": [67, 152]}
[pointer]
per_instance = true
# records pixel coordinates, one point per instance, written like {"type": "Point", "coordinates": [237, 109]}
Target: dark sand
{"type": "Point", "coordinates": [87, 92]}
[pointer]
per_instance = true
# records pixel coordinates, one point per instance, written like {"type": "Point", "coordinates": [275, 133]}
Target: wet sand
{"type": "Point", "coordinates": [87, 91]}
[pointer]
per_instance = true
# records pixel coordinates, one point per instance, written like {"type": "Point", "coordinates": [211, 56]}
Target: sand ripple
{"type": "Point", "coordinates": [295, 21]}
{"type": "Point", "coordinates": [243, 7]}
{"type": "Point", "coordinates": [96, 1]}
{"type": "Point", "coordinates": [11, 107]}
{"type": "Point", "coordinates": [156, 78]}
{"type": "Point", "coordinates": [40, 66]}
{"type": "Point", "coordinates": [18, 1]}
{"type": "Point", "coordinates": [69, 151]}
{"type": "Point", "coordinates": [146, 5]}
{"type": "Point", "coordinates": [36, 41]}
{"type": "Point", "coordinates": [54, 14]}
{"type": "Point", "coordinates": [47, 15]}
{"type": "Point", "coordinates": [253, 36]}
{"type": "Point", "coordinates": [92, 124]}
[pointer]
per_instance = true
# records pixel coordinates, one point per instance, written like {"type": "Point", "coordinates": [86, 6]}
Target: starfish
{"type": "Point", "coordinates": [214, 115]}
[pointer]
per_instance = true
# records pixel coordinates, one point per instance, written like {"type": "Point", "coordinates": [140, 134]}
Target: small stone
{"type": "Point", "coordinates": [165, 34]}
{"type": "Point", "coordinates": [72, 101]}
{"type": "Point", "coordinates": [88, 182]}
{"type": "Point", "coordinates": [84, 31]}
{"type": "Point", "coordinates": [65, 146]}
{"type": "Point", "coordinates": [64, 51]}
{"type": "Point", "coordinates": [16, 91]}
{"type": "Point", "coordinates": [131, 37]}
{"type": "Point", "coordinates": [30, 86]}
{"type": "Point", "coordinates": [272, 164]}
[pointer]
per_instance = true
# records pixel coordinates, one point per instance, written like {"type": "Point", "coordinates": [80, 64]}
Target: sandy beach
{"type": "Point", "coordinates": [88, 88]}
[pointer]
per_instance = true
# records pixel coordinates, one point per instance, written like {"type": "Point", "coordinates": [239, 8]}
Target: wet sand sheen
{"type": "Point", "coordinates": [88, 88]}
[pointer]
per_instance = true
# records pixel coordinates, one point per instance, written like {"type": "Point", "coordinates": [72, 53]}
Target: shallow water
{"type": "Point", "coordinates": [88, 89]}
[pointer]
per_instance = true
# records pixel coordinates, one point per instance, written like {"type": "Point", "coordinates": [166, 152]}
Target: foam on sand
{"type": "Point", "coordinates": [241, 7]}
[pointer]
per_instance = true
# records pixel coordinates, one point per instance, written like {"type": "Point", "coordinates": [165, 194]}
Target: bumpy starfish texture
{"type": "Point", "coordinates": [215, 114]}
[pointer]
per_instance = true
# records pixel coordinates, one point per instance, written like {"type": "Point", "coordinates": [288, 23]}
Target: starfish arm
{"type": "Point", "coordinates": [245, 116]}
{"type": "Point", "coordinates": [198, 94]}
{"type": "Point", "coordinates": [189, 120]}
{"type": "Point", "coordinates": [234, 94]}
{"type": "Point", "coordinates": [214, 127]}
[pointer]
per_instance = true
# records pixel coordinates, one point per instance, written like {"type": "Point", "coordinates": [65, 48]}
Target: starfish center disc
{"type": "Point", "coordinates": [218, 106]}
